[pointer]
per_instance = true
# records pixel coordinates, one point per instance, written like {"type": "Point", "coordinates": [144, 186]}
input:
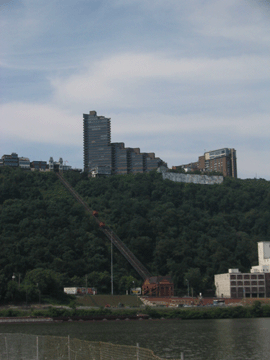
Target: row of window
{"type": "Point", "coordinates": [247, 289]}
{"type": "Point", "coordinates": [240, 283]}
{"type": "Point", "coordinates": [247, 276]}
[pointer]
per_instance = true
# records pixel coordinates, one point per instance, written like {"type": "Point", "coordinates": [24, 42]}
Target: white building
{"type": "Point", "coordinates": [58, 166]}
{"type": "Point", "coordinates": [264, 258]}
{"type": "Point", "coordinates": [24, 163]}
{"type": "Point", "coordinates": [235, 284]}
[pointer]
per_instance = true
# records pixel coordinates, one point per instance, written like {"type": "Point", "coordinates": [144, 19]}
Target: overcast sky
{"type": "Point", "coordinates": [176, 77]}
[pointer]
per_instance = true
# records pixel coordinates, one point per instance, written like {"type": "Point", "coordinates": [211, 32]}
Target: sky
{"type": "Point", "coordinates": [176, 77]}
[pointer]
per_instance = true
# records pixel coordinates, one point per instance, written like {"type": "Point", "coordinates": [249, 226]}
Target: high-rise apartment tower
{"type": "Point", "coordinates": [97, 142]}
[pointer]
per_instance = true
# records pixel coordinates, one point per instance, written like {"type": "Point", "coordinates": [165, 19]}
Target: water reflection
{"type": "Point", "coordinates": [228, 339]}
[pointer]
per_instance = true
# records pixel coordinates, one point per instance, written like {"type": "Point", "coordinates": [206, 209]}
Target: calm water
{"type": "Point", "coordinates": [225, 339]}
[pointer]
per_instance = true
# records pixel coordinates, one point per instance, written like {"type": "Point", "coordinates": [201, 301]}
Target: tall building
{"type": "Point", "coordinates": [120, 159]}
{"type": "Point", "coordinates": [97, 142]}
{"type": "Point", "coordinates": [221, 160]}
{"type": "Point", "coordinates": [136, 161]}
{"type": "Point", "coordinates": [152, 162]}
{"type": "Point", "coordinates": [101, 157]}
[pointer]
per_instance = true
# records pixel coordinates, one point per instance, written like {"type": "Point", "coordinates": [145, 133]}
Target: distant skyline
{"type": "Point", "coordinates": [176, 77]}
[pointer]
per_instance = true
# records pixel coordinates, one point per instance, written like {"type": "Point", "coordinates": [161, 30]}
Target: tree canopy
{"type": "Point", "coordinates": [185, 230]}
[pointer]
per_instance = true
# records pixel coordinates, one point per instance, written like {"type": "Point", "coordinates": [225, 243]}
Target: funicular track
{"type": "Point", "coordinates": [124, 250]}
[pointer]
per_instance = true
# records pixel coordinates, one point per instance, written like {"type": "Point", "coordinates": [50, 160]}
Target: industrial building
{"type": "Point", "coordinates": [255, 284]}
{"type": "Point", "coordinates": [221, 160]}
{"type": "Point", "coordinates": [103, 158]}
{"type": "Point", "coordinates": [158, 286]}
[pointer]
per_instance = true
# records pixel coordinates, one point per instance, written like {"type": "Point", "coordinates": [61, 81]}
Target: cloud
{"type": "Point", "coordinates": [176, 139]}
{"type": "Point", "coordinates": [236, 20]}
{"type": "Point", "coordinates": [112, 80]}
{"type": "Point", "coordinates": [252, 125]}
{"type": "Point", "coordinates": [176, 77]}
{"type": "Point", "coordinates": [41, 123]}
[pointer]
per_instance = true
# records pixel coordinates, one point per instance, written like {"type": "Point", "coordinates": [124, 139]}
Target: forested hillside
{"type": "Point", "coordinates": [186, 230]}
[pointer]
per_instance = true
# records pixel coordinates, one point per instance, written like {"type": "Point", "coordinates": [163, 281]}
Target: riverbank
{"type": "Point", "coordinates": [257, 309]}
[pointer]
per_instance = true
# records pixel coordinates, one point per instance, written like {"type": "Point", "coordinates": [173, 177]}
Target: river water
{"type": "Point", "coordinates": [225, 339]}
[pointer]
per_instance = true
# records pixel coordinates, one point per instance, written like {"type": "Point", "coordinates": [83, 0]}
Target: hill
{"type": "Point", "coordinates": [189, 231]}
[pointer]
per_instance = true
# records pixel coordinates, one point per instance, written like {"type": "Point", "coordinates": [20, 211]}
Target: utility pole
{"type": "Point", "coordinates": [111, 265]}
{"type": "Point", "coordinates": [188, 286]}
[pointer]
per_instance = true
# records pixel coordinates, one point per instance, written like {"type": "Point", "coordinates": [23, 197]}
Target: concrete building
{"type": "Point", "coordinates": [120, 158]}
{"type": "Point", "coordinates": [38, 165]}
{"type": "Point", "coordinates": [97, 142]}
{"type": "Point", "coordinates": [221, 160]}
{"type": "Point", "coordinates": [235, 284]}
{"type": "Point", "coordinates": [14, 161]}
{"type": "Point", "coordinates": [137, 162]}
{"type": "Point", "coordinates": [58, 165]}
{"type": "Point", "coordinates": [152, 162]}
{"type": "Point", "coordinates": [102, 158]}
{"type": "Point", "coordinates": [264, 258]}
{"type": "Point", "coordinates": [24, 163]}
{"type": "Point", "coordinates": [10, 160]}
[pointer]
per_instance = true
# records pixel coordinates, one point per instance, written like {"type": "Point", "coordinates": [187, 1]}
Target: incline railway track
{"type": "Point", "coordinates": [110, 234]}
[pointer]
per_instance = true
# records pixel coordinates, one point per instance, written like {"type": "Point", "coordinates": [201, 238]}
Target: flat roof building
{"type": "Point", "coordinates": [102, 158]}
{"type": "Point", "coordinates": [120, 159]}
{"type": "Point", "coordinates": [235, 284]}
{"type": "Point", "coordinates": [38, 165]}
{"type": "Point", "coordinates": [96, 141]}
{"type": "Point", "coordinates": [10, 160]}
{"type": "Point", "coordinates": [221, 160]}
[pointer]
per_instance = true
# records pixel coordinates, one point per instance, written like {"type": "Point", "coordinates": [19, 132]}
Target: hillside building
{"type": "Point", "coordinates": [58, 165]}
{"type": "Point", "coordinates": [24, 163]}
{"type": "Point", "coordinates": [235, 284]}
{"type": "Point", "coordinates": [10, 160]}
{"type": "Point", "coordinates": [38, 165]}
{"type": "Point", "coordinates": [14, 161]}
{"type": "Point", "coordinates": [103, 158]}
{"type": "Point", "coordinates": [120, 159]}
{"type": "Point", "coordinates": [221, 160]}
{"type": "Point", "coordinates": [97, 142]}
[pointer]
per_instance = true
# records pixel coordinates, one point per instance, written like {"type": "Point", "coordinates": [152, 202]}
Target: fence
{"type": "Point", "coordinates": [31, 347]}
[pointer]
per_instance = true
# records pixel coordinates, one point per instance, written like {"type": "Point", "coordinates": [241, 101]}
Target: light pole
{"type": "Point", "coordinates": [111, 265]}
{"type": "Point", "coordinates": [38, 293]}
{"type": "Point", "coordinates": [188, 286]}
{"type": "Point", "coordinates": [19, 278]}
